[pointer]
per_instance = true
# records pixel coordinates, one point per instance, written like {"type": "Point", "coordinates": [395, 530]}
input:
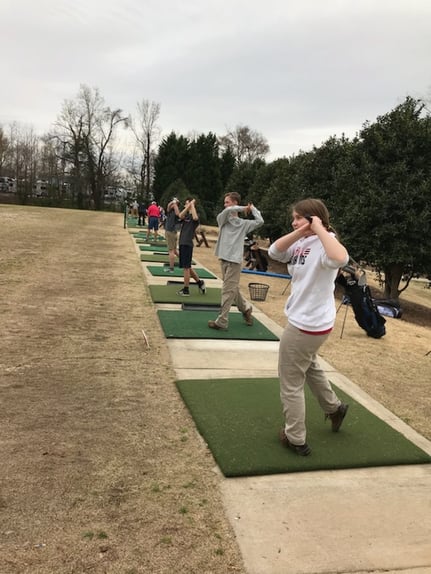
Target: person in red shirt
{"type": "Point", "coordinates": [153, 213]}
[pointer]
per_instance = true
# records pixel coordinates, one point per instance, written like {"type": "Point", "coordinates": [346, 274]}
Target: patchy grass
{"type": "Point", "coordinates": [96, 444]}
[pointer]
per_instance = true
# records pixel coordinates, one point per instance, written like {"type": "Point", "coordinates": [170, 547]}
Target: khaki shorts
{"type": "Point", "coordinates": [171, 239]}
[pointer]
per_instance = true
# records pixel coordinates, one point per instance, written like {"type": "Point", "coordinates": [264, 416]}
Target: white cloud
{"type": "Point", "coordinates": [298, 71]}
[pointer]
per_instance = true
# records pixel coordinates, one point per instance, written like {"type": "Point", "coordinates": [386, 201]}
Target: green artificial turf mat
{"type": "Point", "coordinates": [240, 420]}
{"type": "Point", "coordinates": [143, 239]}
{"type": "Point", "coordinates": [159, 245]}
{"type": "Point", "coordinates": [201, 307]}
{"type": "Point", "coordinates": [188, 324]}
{"type": "Point", "coordinates": [153, 248]}
{"type": "Point", "coordinates": [158, 271]}
{"type": "Point", "coordinates": [155, 258]}
{"type": "Point", "coordinates": [143, 235]}
{"type": "Point", "coordinates": [132, 222]}
{"type": "Point", "coordinates": [169, 294]}
{"type": "Point", "coordinates": [158, 258]}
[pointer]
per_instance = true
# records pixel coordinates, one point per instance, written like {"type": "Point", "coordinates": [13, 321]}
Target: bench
{"type": "Point", "coordinates": [201, 239]}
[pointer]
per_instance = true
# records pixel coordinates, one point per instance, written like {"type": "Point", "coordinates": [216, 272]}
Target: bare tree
{"type": "Point", "coordinates": [246, 145]}
{"type": "Point", "coordinates": [146, 132]}
{"type": "Point", "coordinates": [23, 158]}
{"type": "Point", "coordinates": [69, 136]}
{"type": "Point", "coordinates": [86, 127]}
{"type": "Point", "coordinates": [52, 166]}
{"type": "Point", "coordinates": [133, 166]}
{"type": "Point", "coordinates": [5, 149]}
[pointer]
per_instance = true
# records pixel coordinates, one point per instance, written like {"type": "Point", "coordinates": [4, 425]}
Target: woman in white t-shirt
{"type": "Point", "coordinates": [313, 255]}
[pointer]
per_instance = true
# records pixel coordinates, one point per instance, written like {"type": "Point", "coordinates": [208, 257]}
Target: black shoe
{"type": "Point", "coordinates": [202, 287]}
{"type": "Point", "coordinates": [184, 292]}
{"type": "Point", "coordinates": [301, 449]}
{"type": "Point", "coordinates": [337, 417]}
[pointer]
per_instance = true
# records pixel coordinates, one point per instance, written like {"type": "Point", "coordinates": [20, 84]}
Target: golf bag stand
{"type": "Point", "coordinates": [344, 301]}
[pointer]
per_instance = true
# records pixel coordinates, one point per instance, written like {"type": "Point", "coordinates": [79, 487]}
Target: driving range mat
{"type": "Point", "coordinates": [169, 294]}
{"type": "Point", "coordinates": [158, 258]}
{"type": "Point", "coordinates": [143, 235]}
{"type": "Point", "coordinates": [240, 420]}
{"type": "Point", "coordinates": [158, 271]}
{"type": "Point", "coordinates": [141, 240]}
{"type": "Point", "coordinates": [201, 307]}
{"type": "Point", "coordinates": [153, 248]}
{"type": "Point", "coordinates": [190, 324]}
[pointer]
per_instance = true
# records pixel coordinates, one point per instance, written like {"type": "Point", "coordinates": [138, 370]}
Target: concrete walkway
{"type": "Point", "coordinates": [344, 521]}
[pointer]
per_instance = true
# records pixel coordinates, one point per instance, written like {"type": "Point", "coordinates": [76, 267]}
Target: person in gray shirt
{"type": "Point", "coordinates": [190, 221]}
{"type": "Point", "coordinates": [230, 249]}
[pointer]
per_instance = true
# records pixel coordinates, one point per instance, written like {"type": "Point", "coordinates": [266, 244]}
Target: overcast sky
{"type": "Point", "coordinates": [297, 71]}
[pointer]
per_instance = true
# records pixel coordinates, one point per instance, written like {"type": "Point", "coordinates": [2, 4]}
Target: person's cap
{"type": "Point", "coordinates": [175, 199]}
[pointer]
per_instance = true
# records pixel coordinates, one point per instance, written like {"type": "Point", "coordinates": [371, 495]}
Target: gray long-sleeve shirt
{"type": "Point", "coordinates": [232, 232]}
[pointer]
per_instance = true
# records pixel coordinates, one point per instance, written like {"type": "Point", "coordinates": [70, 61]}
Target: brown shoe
{"type": "Point", "coordinates": [213, 325]}
{"type": "Point", "coordinates": [248, 318]}
{"type": "Point", "coordinates": [337, 417]}
{"type": "Point", "coordinates": [301, 449]}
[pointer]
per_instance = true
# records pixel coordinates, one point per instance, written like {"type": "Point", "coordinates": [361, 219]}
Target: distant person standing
{"type": "Point", "coordinates": [190, 222]}
{"type": "Point", "coordinates": [230, 250]}
{"type": "Point", "coordinates": [162, 217]}
{"type": "Point", "coordinates": [141, 213]}
{"type": "Point", "coordinates": [135, 206]}
{"type": "Point", "coordinates": [171, 231]}
{"type": "Point", "coordinates": [153, 214]}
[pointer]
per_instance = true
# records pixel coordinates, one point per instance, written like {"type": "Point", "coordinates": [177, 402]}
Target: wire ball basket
{"type": "Point", "coordinates": [258, 291]}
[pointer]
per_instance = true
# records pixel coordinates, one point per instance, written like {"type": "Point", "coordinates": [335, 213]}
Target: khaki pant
{"type": "Point", "coordinates": [230, 292]}
{"type": "Point", "coordinates": [171, 240]}
{"type": "Point", "coordinates": [297, 365]}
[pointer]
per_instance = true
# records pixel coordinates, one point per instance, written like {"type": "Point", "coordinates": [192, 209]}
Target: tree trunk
{"type": "Point", "coordinates": [147, 163]}
{"type": "Point", "coordinates": [97, 198]}
{"type": "Point", "coordinates": [393, 273]}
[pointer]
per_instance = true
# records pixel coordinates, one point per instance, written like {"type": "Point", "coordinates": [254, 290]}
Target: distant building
{"type": "Point", "coordinates": [40, 188]}
{"type": "Point", "coordinates": [7, 185]}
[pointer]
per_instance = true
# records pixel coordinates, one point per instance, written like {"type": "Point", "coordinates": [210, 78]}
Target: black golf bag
{"type": "Point", "coordinates": [358, 295]}
{"type": "Point", "coordinates": [388, 308]}
{"type": "Point", "coordinates": [254, 257]}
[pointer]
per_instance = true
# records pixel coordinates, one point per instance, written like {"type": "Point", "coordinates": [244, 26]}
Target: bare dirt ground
{"type": "Point", "coordinates": [102, 469]}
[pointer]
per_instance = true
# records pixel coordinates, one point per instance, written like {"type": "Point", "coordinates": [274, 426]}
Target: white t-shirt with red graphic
{"type": "Point", "coordinates": [311, 304]}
